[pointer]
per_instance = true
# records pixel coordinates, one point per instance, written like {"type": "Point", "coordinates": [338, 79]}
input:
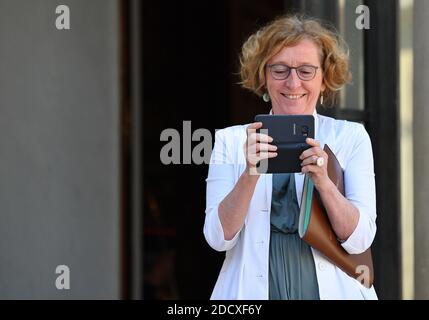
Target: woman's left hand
{"type": "Point", "coordinates": [319, 174]}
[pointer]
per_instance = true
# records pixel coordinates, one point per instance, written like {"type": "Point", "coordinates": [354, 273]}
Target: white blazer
{"type": "Point", "coordinates": [244, 273]}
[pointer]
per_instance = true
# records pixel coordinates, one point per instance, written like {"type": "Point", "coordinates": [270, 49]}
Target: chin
{"type": "Point", "coordinates": [293, 110]}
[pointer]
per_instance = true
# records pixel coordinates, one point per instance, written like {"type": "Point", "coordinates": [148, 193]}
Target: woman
{"type": "Point", "coordinates": [293, 63]}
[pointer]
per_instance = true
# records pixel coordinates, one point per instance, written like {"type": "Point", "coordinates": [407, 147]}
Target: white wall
{"type": "Point", "coordinates": [59, 149]}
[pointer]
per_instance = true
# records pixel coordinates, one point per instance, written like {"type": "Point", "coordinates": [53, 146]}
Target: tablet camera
{"type": "Point", "coordinates": [304, 131]}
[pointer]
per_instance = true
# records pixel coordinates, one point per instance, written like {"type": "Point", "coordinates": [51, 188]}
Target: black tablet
{"type": "Point", "coordinates": [289, 133]}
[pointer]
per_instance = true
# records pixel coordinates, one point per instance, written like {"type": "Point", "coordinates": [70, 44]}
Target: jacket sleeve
{"type": "Point", "coordinates": [220, 182]}
{"type": "Point", "coordinates": [359, 184]}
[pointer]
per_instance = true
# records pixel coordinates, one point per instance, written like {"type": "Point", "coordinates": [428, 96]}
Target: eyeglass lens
{"type": "Point", "coordinates": [304, 72]}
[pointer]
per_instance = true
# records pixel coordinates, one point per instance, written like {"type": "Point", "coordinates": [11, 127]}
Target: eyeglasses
{"type": "Point", "coordinates": [305, 72]}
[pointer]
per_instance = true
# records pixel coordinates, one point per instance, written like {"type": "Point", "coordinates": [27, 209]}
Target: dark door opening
{"type": "Point", "coordinates": [190, 57]}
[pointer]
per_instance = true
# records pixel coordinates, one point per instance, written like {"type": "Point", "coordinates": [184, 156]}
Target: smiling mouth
{"type": "Point", "coordinates": [293, 96]}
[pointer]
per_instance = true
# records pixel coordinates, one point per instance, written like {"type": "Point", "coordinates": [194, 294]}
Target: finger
{"type": "Point", "coordinates": [265, 147]}
{"type": "Point", "coordinates": [312, 142]}
{"type": "Point", "coordinates": [254, 160]}
{"type": "Point", "coordinates": [309, 152]}
{"type": "Point", "coordinates": [261, 137]}
{"type": "Point", "coordinates": [310, 168]}
{"type": "Point", "coordinates": [255, 139]}
{"type": "Point", "coordinates": [251, 132]}
{"type": "Point", "coordinates": [253, 146]}
{"type": "Point", "coordinates": [254, 126]}
{"type": "Point", "coordinates": [254, 136]}
{"type": "Point", "coordinates": [310, 160]}
{"type": "Point", "coordinates": [266, 155]}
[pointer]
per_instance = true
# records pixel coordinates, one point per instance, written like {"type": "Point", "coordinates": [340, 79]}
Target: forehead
{"type": "Point", "coordinates": [306, 51]}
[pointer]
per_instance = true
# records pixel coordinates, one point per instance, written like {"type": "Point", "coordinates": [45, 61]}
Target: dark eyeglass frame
{"type": "Point", "coordinates": [290, 70]}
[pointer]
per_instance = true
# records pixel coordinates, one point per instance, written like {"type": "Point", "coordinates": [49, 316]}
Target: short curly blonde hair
{"type": "Point", "coordinates": [288, 31]}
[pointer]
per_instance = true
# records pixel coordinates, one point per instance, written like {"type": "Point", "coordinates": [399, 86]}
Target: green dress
{"type": "Point", "coordinates": [292, 274]}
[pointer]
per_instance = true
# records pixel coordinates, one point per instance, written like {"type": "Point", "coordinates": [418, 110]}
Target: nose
{"type": "Point", "coordinates": [293, 81]}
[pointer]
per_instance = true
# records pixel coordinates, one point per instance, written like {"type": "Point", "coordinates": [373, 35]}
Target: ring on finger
{"type": "Point", "coordinates": [320, 161]}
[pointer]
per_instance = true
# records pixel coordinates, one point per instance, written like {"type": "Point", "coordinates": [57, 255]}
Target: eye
{"type": "Point", "coordinates": [279, 71]}
{"type": "Point", "coordinates": [306, 69]}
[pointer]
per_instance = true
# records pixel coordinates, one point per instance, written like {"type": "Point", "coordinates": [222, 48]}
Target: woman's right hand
{"type": "Point", "coordinates": [257, 147]}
